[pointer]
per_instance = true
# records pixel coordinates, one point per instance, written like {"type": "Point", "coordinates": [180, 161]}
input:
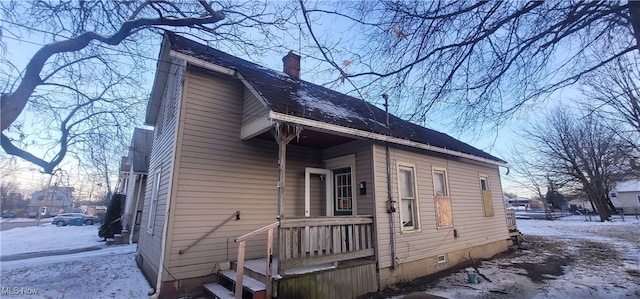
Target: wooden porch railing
{"type": "Point", "coordinates": [511, 220]}
{"type": "Point", "coordinates": [240, 262]}
{"type": "Point", "coordinates": [321, 240]}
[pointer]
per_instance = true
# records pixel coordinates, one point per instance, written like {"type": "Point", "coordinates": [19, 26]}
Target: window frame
{"type": "Point", "coordinates": [417, 227]}
{"type": "Point", "coordinates": [445, 177]}
{"type": "Point", "coordinates": [153, 203]}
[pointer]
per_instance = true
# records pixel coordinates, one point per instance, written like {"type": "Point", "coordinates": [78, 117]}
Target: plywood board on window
{"type": "Point", "coordinates": [444, 212]}
{"type": "Point", "coordinates": [488, 204]}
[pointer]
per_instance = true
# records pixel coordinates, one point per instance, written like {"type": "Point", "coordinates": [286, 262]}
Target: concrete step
{"type": "Point", "coordinates": [218, 291]}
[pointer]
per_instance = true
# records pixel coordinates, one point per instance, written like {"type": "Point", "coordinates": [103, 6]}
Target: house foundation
{"type": "Point", "coordinates": [412, 270]}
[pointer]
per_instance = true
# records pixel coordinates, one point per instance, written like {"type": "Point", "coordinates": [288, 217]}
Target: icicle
{"type": "Point", "coordinates": [298, 131]}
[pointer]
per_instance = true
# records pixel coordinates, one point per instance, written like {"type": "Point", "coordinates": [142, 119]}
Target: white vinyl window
{"type": "Point", "coordinates": [153, 204]}
{"type": "Point", "coordinates": [440, 182]}
{"type": "Point", "coordinates": [409, 215]}
{"type": "Point", "coordinates": [444, 210]}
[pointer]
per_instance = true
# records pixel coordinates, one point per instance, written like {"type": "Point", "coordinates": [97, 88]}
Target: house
{"type": "Point", "coordinates": [132, 182]}
{"type": "Point", "coordinates": [257, 171]}
{"type": "Point", "coordinates": [626, 196]}
{"type": "Point", "coordinates": [51, 201]}
{"type": "Point", "coordinates": [523, 203]}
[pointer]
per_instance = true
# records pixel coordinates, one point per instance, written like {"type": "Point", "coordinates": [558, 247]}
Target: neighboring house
{"type": "Point", "coordinates": [580, 203]}
{"type": "Point", "coordinates": [51, 201]}
{"type": "Point", "coordinates": [626, 195]}
{"type": "Point", "coordinates": [133, 181]}
{"type": "Point", "coordinates": [372, 204]}
{"type": "Point", "coordinates": [524, 203]}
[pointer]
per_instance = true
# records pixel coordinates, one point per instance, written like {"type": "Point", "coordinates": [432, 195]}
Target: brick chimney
{"type": "Point", "coordinates": [291, 64]}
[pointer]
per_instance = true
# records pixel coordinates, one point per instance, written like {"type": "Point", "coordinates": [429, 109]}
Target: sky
{"type": "Point", "coordinates": [497, 141]}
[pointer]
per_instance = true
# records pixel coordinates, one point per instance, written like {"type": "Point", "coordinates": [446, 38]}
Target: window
{"type": "Point", "coordinates": [343, 191]}
{"type": "Point", "coordinates": [440, 183]}
{"type": "Point", "coordinates": [153, 205]}
{"type": "Point", "coordinates": [444, 212]}
{"type": "Point", "coordinates": [486, 196]}
{"type": "Point", "coordinates": [59, 198]}
{"type": "Point", "coordinates": [40, 197]}
{"type": "Point", "coordinates": [408, 199]}
{"type": "Point", "coordinates": [638, 199]}
{"type": "Point", "coordinates": [613, 194]}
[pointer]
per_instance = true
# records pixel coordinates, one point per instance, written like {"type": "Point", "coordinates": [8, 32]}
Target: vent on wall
{"type": "Point", "coordinates": [441, 258]}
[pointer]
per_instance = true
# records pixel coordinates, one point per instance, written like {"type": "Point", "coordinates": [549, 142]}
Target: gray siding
{"type": "Point", "coordinates": [218, 174]}
{"type": "Point", "coordinates": [252, 108]}
{"type": "Point", "coordinates": [468, 216]}
{"type": "Point", "coordinates": [150, 242]}
{"type": "Point", "coordinates": [363, 152]}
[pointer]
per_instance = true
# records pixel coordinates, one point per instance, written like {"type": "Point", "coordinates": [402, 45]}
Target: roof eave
{"type": "Point", "coordinates": [162, 72]}
{"type": "Point", "coordinates": [275, 116]}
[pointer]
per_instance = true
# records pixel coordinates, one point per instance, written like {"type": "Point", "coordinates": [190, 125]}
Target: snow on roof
{"type": "Point", "coordinates": [628, 186]}
{"type": "Point", "coordinates": [325, 107]}
{"type": "Point", "coordinates": [282, 94]}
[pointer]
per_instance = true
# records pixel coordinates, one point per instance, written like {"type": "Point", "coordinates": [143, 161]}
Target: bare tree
{"type": "Point", "coordinates": [526, 174]}
{"type": "Point", "coordinates": [482, 61]}
{"type": "Point", "coordinates": [8, 181]}
{"type": "Point", "coordinates": [580, 150]}
{"type": "Point", "coordinates": [87, 75]}
{"type": "Point", "coordinates": [615, 92]}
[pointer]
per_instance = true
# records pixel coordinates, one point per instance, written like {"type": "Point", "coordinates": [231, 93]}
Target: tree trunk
{"type": "Point", "coordinates": [634, 16]}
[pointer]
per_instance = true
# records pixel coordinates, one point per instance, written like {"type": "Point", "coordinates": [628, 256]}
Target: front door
{"type": "Point", "coordinates": [342, 192]}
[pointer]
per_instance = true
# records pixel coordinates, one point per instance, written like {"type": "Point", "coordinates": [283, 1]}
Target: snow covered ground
{"type": "Point", "coordinates": [34, 265]}
{"type": "Point", "coordinates": [566, 258]}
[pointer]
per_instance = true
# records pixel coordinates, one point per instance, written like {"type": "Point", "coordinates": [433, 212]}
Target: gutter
{"type": "Point", "coordinates": [370, 135]}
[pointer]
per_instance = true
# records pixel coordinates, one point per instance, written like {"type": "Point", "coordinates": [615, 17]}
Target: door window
{"type": "Point", "coordinates": [343, 191]}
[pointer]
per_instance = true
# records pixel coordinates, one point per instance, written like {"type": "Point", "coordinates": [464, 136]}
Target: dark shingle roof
{"type": "Point", "coordinates": [300, 98]}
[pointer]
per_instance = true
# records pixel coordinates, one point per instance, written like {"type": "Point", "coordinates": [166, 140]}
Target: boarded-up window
{"type": "Point", "coordinates": [408, 198]}
{"type": "Point", "coordinates": [444, 211]}
{"type": "Point", "coordinates": [486, 196]}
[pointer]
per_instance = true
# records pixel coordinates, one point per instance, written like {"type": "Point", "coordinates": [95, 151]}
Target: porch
{"type": "Point", "coordinates": [514, 233]}
{"type": "Point", "coordinates": [313, 256]}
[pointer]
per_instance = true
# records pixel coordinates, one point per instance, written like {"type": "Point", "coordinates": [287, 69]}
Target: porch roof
{"type": "Point", "coordinates": [303, 100]}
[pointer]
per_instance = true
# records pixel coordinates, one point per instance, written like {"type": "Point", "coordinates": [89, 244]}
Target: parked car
{"type": "Point", "coordinates": [9, 214]}
{"type": "Point", "coordinates": [65, 218]}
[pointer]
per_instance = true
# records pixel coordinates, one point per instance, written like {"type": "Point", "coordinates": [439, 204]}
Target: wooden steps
{"type": "Point", "coordinates": [251, 287]}
{"type": "Point", "coordinates": [218, 291]}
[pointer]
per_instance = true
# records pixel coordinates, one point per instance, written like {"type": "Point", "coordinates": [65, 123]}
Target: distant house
{"type": "Point", "coordinates": [253, 170]}
{"type": "Point", "coordinates": [133, 180]}
{"type": "Point", "coordinates": [523, 202]}
{"type": "Point", "coordinates": [51, 201]}
{"type": "Point", "coordinates": [626, 195]}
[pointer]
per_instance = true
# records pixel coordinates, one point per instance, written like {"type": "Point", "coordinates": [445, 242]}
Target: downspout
{"type": "Point", "coordinates": [165, 229]}
{"type": "Point", "coordinates": [392, 229]}
{"type": "Point", "coordinates": [392, 236]}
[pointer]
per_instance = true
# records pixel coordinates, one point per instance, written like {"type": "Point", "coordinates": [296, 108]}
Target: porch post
{"type": "Point", "coordinates": [283, 137]}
